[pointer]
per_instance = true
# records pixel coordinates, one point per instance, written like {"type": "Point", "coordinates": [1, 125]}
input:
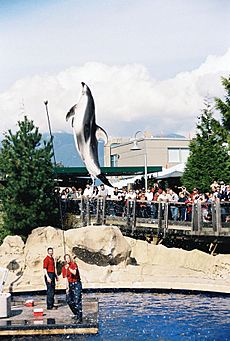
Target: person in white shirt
{"type": "Point", "coordinates": [103, 192]}
{"type": "Point", "coordinates": [174, 209]}
{"type": "Point", "coordinates": [130, 195]}
{"type": "Point", "coordinates": [88, 191]}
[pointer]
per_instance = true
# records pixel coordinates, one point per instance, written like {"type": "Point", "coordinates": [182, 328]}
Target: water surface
{"type": "Point", "coordinates": [154, 316]}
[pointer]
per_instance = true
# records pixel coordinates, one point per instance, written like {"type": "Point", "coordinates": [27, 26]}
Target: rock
{"type": "Point", "coordinates": [12, 245]}
{"type": "Point", "coordinates": [12, 258]}
{"type": "Point", "coordinates": [100, 245]}
{"type": "Point", "coordinates": [107, 259]}
{"type": "Point", "coordinates": [35, 251]}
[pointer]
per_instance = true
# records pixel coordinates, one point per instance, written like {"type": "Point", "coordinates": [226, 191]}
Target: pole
{"type": "Point", "coordinates": [146, 169]}
{"type": "Point", "coordinates": [146, 176]}
{"type": "Point", "coordinates": [50, 131]}
{"type": "Point", "coordinates": [55, 165]}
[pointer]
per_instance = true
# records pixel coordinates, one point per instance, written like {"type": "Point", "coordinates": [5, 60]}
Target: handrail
{"type": "Point", "coordinates": [198, 217]}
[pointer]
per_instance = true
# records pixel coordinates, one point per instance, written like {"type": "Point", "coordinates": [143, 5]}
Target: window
{"type": "Point", "coordinates": [184, 154]}
{"type": "Point", "coordinates": [113, 160]}
{"type": "Point", "coordinates": [177, 155]}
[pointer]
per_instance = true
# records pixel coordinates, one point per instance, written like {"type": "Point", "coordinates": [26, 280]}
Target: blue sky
{"type": "Point", "coordinates": [134, 55]}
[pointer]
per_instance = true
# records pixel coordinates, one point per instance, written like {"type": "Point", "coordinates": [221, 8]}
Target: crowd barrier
{"type": "Point", "coordinates": [197, 218]}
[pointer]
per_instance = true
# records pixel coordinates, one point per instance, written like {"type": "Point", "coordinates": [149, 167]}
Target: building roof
{"type": "Point", "coordinates": [109, 171]}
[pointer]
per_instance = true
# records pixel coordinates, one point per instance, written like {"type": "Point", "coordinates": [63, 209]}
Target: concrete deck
{"type": "Point", "coordinates": [53, 322]}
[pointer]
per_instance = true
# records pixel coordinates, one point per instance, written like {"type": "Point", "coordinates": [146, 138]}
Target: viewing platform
{"type": "Point", "coordinates": [208, 223]}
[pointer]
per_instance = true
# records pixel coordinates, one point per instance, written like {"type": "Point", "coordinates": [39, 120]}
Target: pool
{"type": "Point", "coordinates": [149, 316]}
{"type": "Point", "coordinates": [158, 316]}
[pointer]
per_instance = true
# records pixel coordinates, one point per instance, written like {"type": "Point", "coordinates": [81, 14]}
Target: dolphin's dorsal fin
{"type": "Point", "coordinates": [71, 112]}
{"type": "Point", "coordinates": [101, 134]}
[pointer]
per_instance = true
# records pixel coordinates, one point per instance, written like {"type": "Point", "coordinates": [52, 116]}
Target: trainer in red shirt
{"type": "Point", "coordinates": [50, 277]}
{"type": "Point", "coordinates": [73, 287]}
{"type": "Point", "coordinates": [48, 264]}
{"type": "Point", "coordinates": [70, 270]}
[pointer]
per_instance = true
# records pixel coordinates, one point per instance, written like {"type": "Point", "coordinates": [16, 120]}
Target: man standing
{"type": "Point", "coordinates": [50, 277]}
{"type": "Point", "coordinates": [88, 191]}
{"type": "Point", "coordinates": [103, 192]}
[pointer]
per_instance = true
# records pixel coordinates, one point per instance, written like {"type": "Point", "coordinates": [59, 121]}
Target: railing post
{"type": "Point", "coordinates": [194, 218]}
{"type": "Point", "coordinates": [134, 217]}
{"type": "Point", "coordinates": [199, 217]}
{"type": "Point", "coordinates": [213, 208]}
{"type": "Point", "coordinates": [99, 209]}
{"type": "Point", "coordinates": [159, 219]}
{"type": "Point", "coordinates": [85, 214]}
{"type": "Point", "coordinates": [218, 218]}
{"type": "Point", "coordinates": [82, 215]}
{"type": "Point", "coordinates": [166, 218]}
{"type": "Point", "coordinates": [129, 220]}
{"type": "Point", "coordinates": [88, 217]}
{"type": "Point", "coordinates": [103, 211]}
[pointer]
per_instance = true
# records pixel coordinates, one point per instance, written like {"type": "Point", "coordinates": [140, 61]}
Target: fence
{"type": "Point", "coordinates": [196, 219]}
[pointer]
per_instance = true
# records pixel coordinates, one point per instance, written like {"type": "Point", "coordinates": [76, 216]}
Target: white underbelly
{"type": "Point", "coordinates": [85, 151]}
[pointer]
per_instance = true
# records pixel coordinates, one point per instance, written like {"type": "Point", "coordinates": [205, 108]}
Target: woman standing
{"type": "Point", "coordinates": [74, 287]}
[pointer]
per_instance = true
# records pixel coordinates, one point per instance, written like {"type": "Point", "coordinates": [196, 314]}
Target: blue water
{"type": "Point", "coordinates": [154, 316]}
{"type": "Point", "coordinates": [149, 316]}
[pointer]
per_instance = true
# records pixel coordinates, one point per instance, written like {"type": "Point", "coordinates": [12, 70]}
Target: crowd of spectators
{"type": "Point", "coordinates": [179, 199]}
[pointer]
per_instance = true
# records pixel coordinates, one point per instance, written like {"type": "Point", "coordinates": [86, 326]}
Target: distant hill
{"type": "Point", "coordinates": [65, 150]}
{"type": "Point", "coordinates": [171, 135]}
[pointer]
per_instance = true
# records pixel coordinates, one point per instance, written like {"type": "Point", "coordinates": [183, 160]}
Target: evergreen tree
{"type": "Point", "coordinates": [28, 197]}
{"type": "Point", "coordinates": [224, 107]}
{"type": "Point", "coordinates": [208, 160]}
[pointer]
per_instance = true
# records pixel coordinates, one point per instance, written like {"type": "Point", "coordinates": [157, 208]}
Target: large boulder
{"type": "Point", "coordinates": [35, 251]}
{"type": "Point", "coordinates": [12, 258]}
{"type": "Point", "coordinates": [106, 259]}
{"type": "Point", "coordinates": [100, 245]}
{"type": "Point", "coordinates": [198, 262]}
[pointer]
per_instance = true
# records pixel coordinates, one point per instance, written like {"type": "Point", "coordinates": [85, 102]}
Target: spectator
{"type": "Point", "coordinates": [79, 193]}
{"type": "Point", "coordinates": [88, 191]}
{"type": "Point", "coordinates": [102, 192]}
{"type": "Point", "coordinates": [116, 194]}
{"type": "Point", "coordinates": [73, 193]}
{"type": "Point", "coordinates": [173, 208]}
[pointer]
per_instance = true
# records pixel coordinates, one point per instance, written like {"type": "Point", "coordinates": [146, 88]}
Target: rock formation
{"type": "Point", "coordinates": [107, 259]}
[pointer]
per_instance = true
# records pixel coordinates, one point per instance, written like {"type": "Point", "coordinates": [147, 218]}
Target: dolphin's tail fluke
{"type": "Point", "coordinates": [103, 178]}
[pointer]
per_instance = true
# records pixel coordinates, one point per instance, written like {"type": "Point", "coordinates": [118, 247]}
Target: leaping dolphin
{"type": "Point", "coordinates": [87, 133]}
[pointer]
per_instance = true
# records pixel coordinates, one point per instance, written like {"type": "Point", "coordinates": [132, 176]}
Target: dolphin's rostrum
{"type": "Point", "coordinates": [87, 133]}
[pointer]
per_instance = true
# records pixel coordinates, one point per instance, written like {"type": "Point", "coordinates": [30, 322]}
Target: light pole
{"type": "Point", "coordinates": [136, 147]}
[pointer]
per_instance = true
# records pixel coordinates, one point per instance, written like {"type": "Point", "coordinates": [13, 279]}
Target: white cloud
{"type": "Point", "coordinates": [127, 98]}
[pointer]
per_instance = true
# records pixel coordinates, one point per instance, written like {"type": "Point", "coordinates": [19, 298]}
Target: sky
{"type": "Point", "coordinates": [150, 64]}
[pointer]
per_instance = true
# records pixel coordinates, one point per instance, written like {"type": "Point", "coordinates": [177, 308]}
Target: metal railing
{"type": "Point", "coordinates": [198, 218]}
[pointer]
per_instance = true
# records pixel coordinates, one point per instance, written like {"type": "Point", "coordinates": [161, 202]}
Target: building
{"type": "Point", "coordinates": [165, 151]}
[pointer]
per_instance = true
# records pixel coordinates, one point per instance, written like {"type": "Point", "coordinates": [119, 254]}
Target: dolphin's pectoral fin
{"type": "Point", "coordinates": [101, 134]}
{"type": "Point", "coordinates": [71, 112]}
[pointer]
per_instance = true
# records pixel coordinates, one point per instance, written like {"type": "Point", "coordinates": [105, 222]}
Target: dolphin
{"type": "Point", "coordinates": [87, 133]}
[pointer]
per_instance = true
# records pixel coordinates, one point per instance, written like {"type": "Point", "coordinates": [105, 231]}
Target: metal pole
{"type": "Point", "coordinates": [50, 131]}
{"type": "Point", "coordinates": [146, 176]}
{"type": "Point", "coordinates": [55, 165]}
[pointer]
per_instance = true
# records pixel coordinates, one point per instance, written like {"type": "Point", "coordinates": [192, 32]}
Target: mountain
{"type": "Point", "coordinates": [65, 150]}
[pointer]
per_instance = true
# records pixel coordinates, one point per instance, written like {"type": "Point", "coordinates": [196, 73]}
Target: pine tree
{"type": "Point", "coordinates": [208, 160]}
{"type": "Point", "coordinates": [224, 107]}
{"type": "Point", "coordinates": [28, 197]}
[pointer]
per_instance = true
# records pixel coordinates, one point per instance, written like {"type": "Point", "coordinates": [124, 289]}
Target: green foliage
{"type": "Point", "coordinates": [28, 197]}
{"type": "Point", "coordinates": [208, 159]}
{"type": "Point", "coordinates": [224, 107]}
{"type": "Point", "coordinates": [3, 232]}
